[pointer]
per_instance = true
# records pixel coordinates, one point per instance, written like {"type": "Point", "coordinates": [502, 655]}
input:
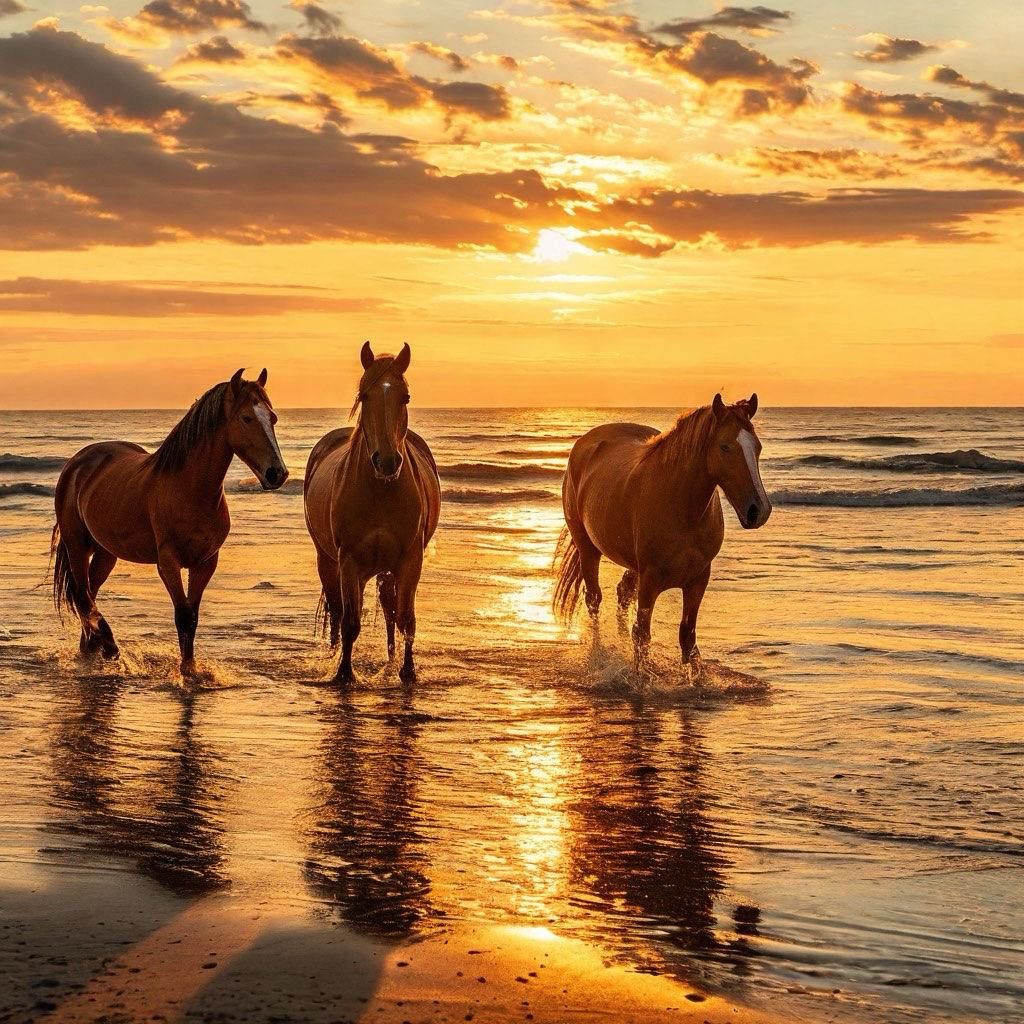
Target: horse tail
{"type": "Point", "coordinates": [568, 568]}
{"type": "Point", "coordinates": [63, 580]}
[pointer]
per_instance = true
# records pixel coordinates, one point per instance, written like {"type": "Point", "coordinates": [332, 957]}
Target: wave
{"type": "Point", "coordinates": [876, 440]}
{"type": "Point", "coordinates": [10, 463]}
{"type": "Point", "coordinates": [493, 471]}
{"type": "Point", "coordinates": [23, 487]}
{"type": "Point", "coordinates": [968, 460]}
{"type": "Point", "coordinates": [535, 453]}
{"type": "Point", "coordinates": [479, 496]}
{"type": "Point", "coordinates": [501, 437]}
{"type": "Point", "coordinates": [1011, 495]}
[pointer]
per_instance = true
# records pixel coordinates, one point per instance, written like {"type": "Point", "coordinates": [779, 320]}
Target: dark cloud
{"type": "Point", "coordinates": [945, 75]}
{"type": "Point", "coordinates": [208, 170]}
{"type": "Point", "coordinates": [318, 19]}
{"type": "Point", "coordinates": [216, 172]}
{"type": "Point", "coordinates": [455, 62]}
{"type": "Point", "coordinates": [797, 219]}
{"type": "Point", "coordinates": [755, 20]}
{"type": "Point", "coordinates": [892, 49]}
{"type": "Point", "coordinates": [149, 298]}
{"type": "Point", "coordinates": [760, 84]}
{"type": "Point", "coordinates": [372, 74]}
{"type": "Point", "coordinates": [11, 7]}
{"type": "Point", "coordinates": [186, 17]}
{"type": "Point", "coordinates": [215, 50]}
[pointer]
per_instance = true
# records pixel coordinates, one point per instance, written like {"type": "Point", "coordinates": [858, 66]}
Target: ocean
{"type": "Point", "coordinates": [831, 822]}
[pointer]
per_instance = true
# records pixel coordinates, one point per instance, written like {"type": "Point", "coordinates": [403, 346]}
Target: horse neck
{"type": "Point", "coordinates": [682, 472]}
{"type": "Point", "coordinates": [206, 466]}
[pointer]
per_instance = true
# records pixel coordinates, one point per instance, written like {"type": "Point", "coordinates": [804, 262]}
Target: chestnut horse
{"type": "Point", "coordinates": [115, 500]}
{"type": "Point", "coordinates": [649, 502]}
{"type": "Point", "coordinates": [372, 500]}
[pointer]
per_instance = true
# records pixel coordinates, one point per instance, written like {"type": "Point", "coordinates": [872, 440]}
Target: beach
{"type": "Point", "coordinates": [825, 826]}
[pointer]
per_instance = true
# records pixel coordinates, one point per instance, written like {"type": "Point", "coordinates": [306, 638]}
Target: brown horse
{"type": "Point", "coordinates": [115, 500]}
{"type": "Point", "coordinates": [372, 501]}
{"type": "Point", "coordinates": [649, 502]}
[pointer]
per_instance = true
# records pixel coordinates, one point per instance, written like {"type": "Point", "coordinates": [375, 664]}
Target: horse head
{"type": "Point", "coordinates": [734, 451]}
{"type": "Point", "coordinates": [384, 417]}
{"type": "Point", "coordinates": [250, 429]}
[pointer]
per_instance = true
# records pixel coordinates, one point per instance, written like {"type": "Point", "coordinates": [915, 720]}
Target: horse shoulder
{"type": "Point", "coordinates": [329, 443]}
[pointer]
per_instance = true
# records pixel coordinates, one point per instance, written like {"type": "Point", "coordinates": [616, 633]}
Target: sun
{"type": "Point", "coordinates": [556, 245]}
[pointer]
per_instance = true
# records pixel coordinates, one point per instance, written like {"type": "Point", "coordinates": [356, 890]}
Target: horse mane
{"type": "Point", "coordinates": [690, 435]}
{"type": "Point", "coordinates": [204, 418]}
{"type": "Point", "coordinates": [377, 370]}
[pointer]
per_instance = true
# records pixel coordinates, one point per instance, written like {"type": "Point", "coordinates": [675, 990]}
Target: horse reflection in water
{"type": "Point", "coordinates": [367, 856]}
{"type": "Point", "coordinates": [646, 850]}
{"type": "Point", "coordinates": [153, 807]}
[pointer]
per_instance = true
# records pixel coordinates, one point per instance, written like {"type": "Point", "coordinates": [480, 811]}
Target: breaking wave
{"type": "Point", "coordinates": [1010, 495]}
{"type": "Point", "coordinates": [875, 440]}
{"type": "Point", "coordinates": [964, 461]}
{"type": "Point", "coordinates": [10, 463]}
{"type": "Point", "coordinates": [482, 496]}
{"type": "Point", "coordinates": [494, 472]}
{"type": "Point", "coordinates": [22, 487]}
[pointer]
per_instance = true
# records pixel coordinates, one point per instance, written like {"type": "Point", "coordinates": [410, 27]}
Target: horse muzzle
{"type": "Point", "coordinates": [754, 515]}
{"type": "Point", "coordinates": [273, 477]}
{"type": "Point", "coordinates": [386, 467]}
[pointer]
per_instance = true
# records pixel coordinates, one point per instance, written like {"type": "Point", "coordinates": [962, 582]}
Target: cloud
{"type": "Point", "coordinates": [76, 172]}
{"type": "Point", "coordinates": [215, 50]}
{"type": "Point", "coordinates": [318, 20]}
{"type": "Point", "coordinates": [371, 73]}
{"type": "Point", "coordinates": [758, 21]}
{"type": "Point", "coordinates": [213, 171]}
{"type": "Point", "coordinates": [758, 84]}
{"type": "Point", "coordinates": [11, 7]}
{"type": "Point", "coordinates": [152, 298]}
{"type": "Point", "coordinates": [455, 62]}
{"type": "Point", "coordinates": [945, 75]}
{"type": "Point", "coordinates": [798, 219]}
{"type": "Point", "coordinates": [892, 49]}
{"type": "Point", "coordinates": [162, 18]}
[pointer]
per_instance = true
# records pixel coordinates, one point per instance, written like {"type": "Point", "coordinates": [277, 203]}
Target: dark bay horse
{"type": "Point", "coordinates": [115, 500]}
{"type": "Point", "coordinates": [372, 500]}
{"type": "Point", "coordinates": [649, 502]}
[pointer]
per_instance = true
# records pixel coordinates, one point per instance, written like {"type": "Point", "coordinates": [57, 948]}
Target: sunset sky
{"type": "Point", "coordinates": [556, 202]}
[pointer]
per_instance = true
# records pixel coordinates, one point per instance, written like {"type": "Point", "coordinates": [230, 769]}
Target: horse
{"type": "Point", "coordinates": [116, 500]}
{"type": "Point", "coordinates": [372, 500]}
{"type": "Point", "coordinates": [648, 501]}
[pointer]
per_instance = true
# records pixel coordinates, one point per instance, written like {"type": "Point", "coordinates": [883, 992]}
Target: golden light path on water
{"type": "Point", "coordinates": [828, 827]}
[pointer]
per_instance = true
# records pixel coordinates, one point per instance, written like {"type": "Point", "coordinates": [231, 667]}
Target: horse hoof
{"type": "Point", "coordinates": [110, 653]}
{"type": "Point", "coordinates": [344, 678]}
{"type": "Point", "coordinates": [407, 674]}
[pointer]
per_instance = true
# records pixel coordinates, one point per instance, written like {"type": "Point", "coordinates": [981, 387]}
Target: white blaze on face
{"type": "Point", "coordinates": [262, 411]}
{"type": "Point", "coordinates": [749, 445]}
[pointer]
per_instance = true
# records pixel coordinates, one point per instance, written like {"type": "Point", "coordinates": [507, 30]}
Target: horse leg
{"type": "Point", "coordinates": [198, 578]}
{"type": "Point", "coordinates": [352, 585]}
{"type": "Point", "coordinates": [387, 594]}
{"type": "Point", "coordinates": [693, 594]}
{"type": "Point", "coordinates": [408, 579]}
{"type": "Point", "coordinates": [590, 566]}
{"type": "Point", "coordinates": [169, 569]}
{"type": "Point", "coordinates": [625, 594]}
{"type": "Point", "coordinates": [99, 569]}
{"type": "Point", "coordinates": [78, 547]}
{"type": "Point", "coordinates": [647, 594]}
{"type": "Point", "coordinates": [330, 580]}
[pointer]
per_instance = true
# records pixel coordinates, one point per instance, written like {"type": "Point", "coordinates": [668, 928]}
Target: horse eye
{"type": "Point", "coordinates": [725, 448]}
{"type": "Point", "coordinates": [247, 419]}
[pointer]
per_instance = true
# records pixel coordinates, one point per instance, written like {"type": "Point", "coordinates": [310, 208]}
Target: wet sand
{"type": "Point", "coordinates": [86, 947]}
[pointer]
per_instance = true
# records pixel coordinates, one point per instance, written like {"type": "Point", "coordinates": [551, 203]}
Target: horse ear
{"type": "Point", "coordinates": [236, 382]}
{"type": "Point", "coordinates": [752, 405]}
{"type": "Point", "coordinates": [366, 356]}
{"type": "Point", "coordinates": [401, 363]}
{"type": "Point", "coordinates": [718, 407]}
{"type": "Point", "coordinates": [262, 379]}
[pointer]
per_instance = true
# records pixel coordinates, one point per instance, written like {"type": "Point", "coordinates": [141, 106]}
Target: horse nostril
{"type": "Point", "coordinates": [272, 475]}
{"type": "Point", "coordinates": [752, 514]}
{"type": "Point", "coordinates": [375, 461]}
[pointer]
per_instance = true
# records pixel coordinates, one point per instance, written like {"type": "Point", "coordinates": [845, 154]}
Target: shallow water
{"type": "Point", "coordinates": [829, 822]}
